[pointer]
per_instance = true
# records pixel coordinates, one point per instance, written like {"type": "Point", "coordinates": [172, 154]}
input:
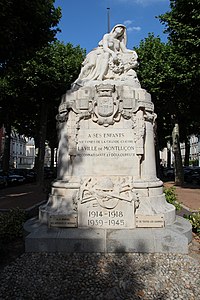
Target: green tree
{"type": "Point", "coordinates": [43, 80]}
{"type": "Point", "coordinates": [26, 26]}
{"type": "Point", "coordinates": [182, 23]}
{"type": "Point", "coordinates": [183, 26]}
{"type": "Point", "coordinates": [160, 73]}
{"type": "Point", "coordinates": [156, 76]}
{"type": "Point", "coordinates": [7, 114]}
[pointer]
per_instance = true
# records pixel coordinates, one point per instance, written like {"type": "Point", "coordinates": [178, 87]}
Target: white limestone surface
{"type": "Point", "coordinates": [106, 152]}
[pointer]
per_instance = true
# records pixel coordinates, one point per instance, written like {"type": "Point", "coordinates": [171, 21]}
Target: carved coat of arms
{"type": "Point", "coordinates": [106, 105]}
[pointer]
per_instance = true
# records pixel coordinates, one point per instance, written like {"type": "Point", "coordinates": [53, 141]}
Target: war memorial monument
{"type": "Point", "coordinates": [106, 197]}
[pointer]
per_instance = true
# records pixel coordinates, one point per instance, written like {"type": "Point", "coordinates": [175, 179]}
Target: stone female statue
{"type": "Point", "coordinates": [110, 59]}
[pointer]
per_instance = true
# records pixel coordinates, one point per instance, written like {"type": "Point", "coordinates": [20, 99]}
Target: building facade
{"type": "Point", "coordinates": [2, 137]}
{"type": "Point", "coordinates": [22, 150]}
{"type": "Point", "coordinates": [167, 156]}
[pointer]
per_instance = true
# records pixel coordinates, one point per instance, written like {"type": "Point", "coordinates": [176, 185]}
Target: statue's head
{"type": "Point", "coordinates": [120, 29]}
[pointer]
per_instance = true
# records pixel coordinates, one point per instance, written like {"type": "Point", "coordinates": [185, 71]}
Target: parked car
{"type": "Point", "coordinates": [188, 171]}
{"type": "Point", "coordinates": [12, 178]}
{"type": "Point", "coordinates": [192, 175]}
{"type": "Point", "coordinates": [49, 173]}
{"type": "Point", "coordinates": [28, 174]}
{"type": "Point", "coordinates": [31, 175]}
{"type": "Point", "coordinates": [3, 181]}
{"type": "Point", "coordinates": [168, 173]}
{"type": "Point", "coordinates": [196, 176]}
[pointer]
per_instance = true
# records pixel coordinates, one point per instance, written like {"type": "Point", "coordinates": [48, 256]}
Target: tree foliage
{"type": "Point", "coordinates": [26, 26]}
{"type": "Point", "coordinates": [34, 90]}
{"type": "Point", "coordinates": [182, 24]}
{"type": "Point", "coordinates": [160, 73]}
{"type": "Point", "coordinates": [170, 72]}
{"type": "Point", "coordinates": [157, 76]}
{"type": "Point", "coordinates": [42, 82]}
{"type": "Point", "coordinates": [47, 76]}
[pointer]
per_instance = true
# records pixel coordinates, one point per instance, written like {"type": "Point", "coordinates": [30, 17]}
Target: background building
{"type": "Point", "coordinates": [2, 136]}
{"type": "Point", "coordinates": [17, 150]}
{"type": "Point", "coordinates": [167, 156]}
{"type": "Point", "coordinates": [30, 153]}
{"type": "Point", "coordinates": [22, 150]}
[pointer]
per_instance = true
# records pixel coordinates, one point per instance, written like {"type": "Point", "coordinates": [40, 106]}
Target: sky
{"type": "Point", "coordinates": [84, 22]}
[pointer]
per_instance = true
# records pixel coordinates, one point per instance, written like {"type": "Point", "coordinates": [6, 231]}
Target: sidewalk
{"type": "Point", "coordinates": [188, 196]}
{"type": "Point", "coordinates": [22, 196]}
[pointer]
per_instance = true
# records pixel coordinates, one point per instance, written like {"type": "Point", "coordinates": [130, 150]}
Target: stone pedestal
{"type": "Point", "coordinates": [171, 239]}
{"type": "Point", "coordinates": [106, 171]}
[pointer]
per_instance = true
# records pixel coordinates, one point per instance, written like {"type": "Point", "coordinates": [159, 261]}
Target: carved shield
{"type": "Point", "coordinates": [105, 106]}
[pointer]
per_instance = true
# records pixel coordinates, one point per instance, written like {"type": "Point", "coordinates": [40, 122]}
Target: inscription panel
{"type": "Point", "coordinates": [63, 221]}
{"type": "Point", "coordinates": [150, 221]}
{"type": "Point", "coordinates": [107, 151]}
{"type": "Point", "coordinates": [93, 143]}
{"type": "Point", "coordinates": [92, 216]}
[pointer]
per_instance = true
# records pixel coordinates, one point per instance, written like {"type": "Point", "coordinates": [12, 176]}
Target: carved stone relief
{"type": "Point", "coordinates": [107, 192]}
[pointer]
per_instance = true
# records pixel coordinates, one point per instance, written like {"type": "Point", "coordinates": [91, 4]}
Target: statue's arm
{"type": "Point", "coordinates": [125, 50]}
{"type": "Point", "coordinates": [106, 47]}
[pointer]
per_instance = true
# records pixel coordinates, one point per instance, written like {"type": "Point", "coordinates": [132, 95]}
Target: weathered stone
{"type": "Point", "coordinates": [106, 158]}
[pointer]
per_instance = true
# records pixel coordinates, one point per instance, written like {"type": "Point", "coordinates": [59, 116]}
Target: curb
{"type": "Point", "coordinates": [190, 210]}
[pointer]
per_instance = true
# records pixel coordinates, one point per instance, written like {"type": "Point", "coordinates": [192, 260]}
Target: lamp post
{"type": "Point", "coordinates": [108, 16]}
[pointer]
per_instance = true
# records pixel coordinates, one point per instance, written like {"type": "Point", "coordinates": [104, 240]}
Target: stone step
{"type": "Point", "coordinates": [171, 239]}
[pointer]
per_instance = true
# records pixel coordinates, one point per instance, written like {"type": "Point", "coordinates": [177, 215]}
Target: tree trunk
{"type": "Point", "coordinates": [187, 152]}
{"type": "Point", "coordinates": [178, 168]}
{"type": "Point", "coordinates": [6, 152]}
{"type": "Point", "coordinates": [36, 138]}
{"type": "Point", "coordinates": [52, 156]}
{"type": "Point", "coordinates": [168, 155]}
{"type": "Point", "coordinates": [42, 139]}
{"type": "Point", "coordinates": [157, 154]}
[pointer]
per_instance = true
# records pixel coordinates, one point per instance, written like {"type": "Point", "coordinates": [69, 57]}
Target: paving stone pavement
{"type": "Point", "coordinates": [101, 276]}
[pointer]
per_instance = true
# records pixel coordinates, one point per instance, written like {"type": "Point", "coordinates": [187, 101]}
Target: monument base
{"type": "Point", "coordinates": [171, 239]}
